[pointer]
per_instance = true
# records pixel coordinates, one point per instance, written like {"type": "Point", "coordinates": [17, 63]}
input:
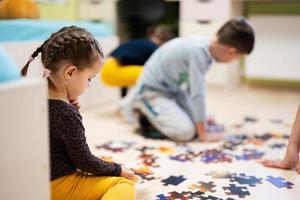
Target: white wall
{"type": "Point", "coordinates": [277, 49]}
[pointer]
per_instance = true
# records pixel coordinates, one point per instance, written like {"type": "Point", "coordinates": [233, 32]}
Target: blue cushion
{"type": "Point", "coordinates": [36, 30]}
{"type": "Point", "coordinates": [8, 68]}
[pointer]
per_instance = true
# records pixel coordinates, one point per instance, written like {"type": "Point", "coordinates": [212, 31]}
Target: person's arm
{"type": "Point", "coordinates": [198, 94]}
{"type": "Point", "coordinates": [203, 136]}
{"type": "Point", "coordinates": [80, 154]}
{"type": "Point", "coordinates": [291, 158]}
{"type": "Point", "coordinates": [294, 140]}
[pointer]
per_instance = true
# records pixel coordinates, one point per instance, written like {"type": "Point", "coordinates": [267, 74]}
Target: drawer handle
{"type": "Point", "coordinates": [95, 2]}
{"type": "Point", "coordinates": [203, 21]}
{"type": "Point", "coordinates": [205, 1]}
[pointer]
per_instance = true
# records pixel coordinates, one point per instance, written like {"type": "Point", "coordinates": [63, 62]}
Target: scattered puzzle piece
{"type": "Point", "coordinates": [214, 156]}
{"type": "Point", "coordinates": [250, 154]}
{"type": "Point", "coordinates": [246, 180]}
{"type": "Point", "coordinates": [144, 173]}
{"type": "Point", "coordinates": [161, 197]}
{"type": "Point", "coordinates": [146, 177]}
{"type": "Point", "coordinates": [183, 157]}
{"type": "Point", "coordinates": [148, 160]}
{"type": "Point", "coordinates": [187, 195]}
{"type": "Point", "coordinates": [278, 135]}
{"type": "Point", "coordinates": [277, 145]}
{"type": "Point", "coordinates": [280, 182]}
{"type": "Point", "coordinates": [232, 142]}
{"type": "Point", "coordinates": [255, 141]}
{"type": "Point", "coordinates": [142, 170]}
{"type": "Point", "coordinates": [173, 180]}
{"type": "Point", "coordinates": [214, 127]}
{"type": "Point", "coordinates": [250, 119]}
{"type": "Point", "coordinates": [265, 137]}
{"type": "Point", "coordinates": [144, 148]}
{"type": "Point", "coordinates": [220, 174]}
{"type": "Point", "coordinates": [203, 186]}
{"type": "Point", "coordinates": [237, 190]}
{"type": "Point", "coordinates": [167, 150]}
{"type": "Point", "coordinates": [116, 146]}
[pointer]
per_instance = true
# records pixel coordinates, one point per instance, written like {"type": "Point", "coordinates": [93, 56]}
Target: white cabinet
{"type": "Point", "coordinates": [208, 28]}
{"type": "Point", "coordinates": [102, 10]}
{"type": "Point", "coordinates": [277, 50]}
{"type": "Point", "coordinates": [204, 10]}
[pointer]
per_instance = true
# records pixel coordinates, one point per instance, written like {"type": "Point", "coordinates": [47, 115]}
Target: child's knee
{"type": "Point", "coordinates": [183, 132]}
{"type": "Point", "coordinates": [187, 133]}
{"type": "Point", "coordinates": [128, 186]}
{"type": "Point", "coordinates": [122, 180]}
{"type": "Point", "coordinates": [126, 183]}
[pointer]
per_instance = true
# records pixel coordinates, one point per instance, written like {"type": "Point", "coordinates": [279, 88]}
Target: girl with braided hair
{"type": "Point", "coordinates": [71, 58]}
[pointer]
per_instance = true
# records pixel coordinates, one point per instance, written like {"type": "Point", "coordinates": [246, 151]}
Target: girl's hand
{"type": "Point", "coordinates": [126, 173]}
{"type": "Point", "coordinates": [76, 103]}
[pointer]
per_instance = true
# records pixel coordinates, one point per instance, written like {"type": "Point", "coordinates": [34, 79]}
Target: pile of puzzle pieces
{"type": "Point", "coordinates": [238, 186]}
{"type": "Point", "coordinates": [149, 157]}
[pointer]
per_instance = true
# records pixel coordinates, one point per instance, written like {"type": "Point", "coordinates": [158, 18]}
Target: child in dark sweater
{"type": "Point", "coordinates": [71, 58]}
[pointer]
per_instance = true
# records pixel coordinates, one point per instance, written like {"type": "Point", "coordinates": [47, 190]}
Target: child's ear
{"type": "Point", "coordinates": [232, 50]}
{"type": "Point", "coordinates": [70, 71]}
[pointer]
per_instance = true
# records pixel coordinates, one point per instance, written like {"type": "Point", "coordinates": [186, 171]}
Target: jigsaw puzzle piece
{"type": "Point", "coordinates": [215, 156]}
{"type": "Point", "coordinates": [203, 186]}
{"type": "Point", "coordinates": [280, 182]}
{"type": "Point", "coordinates": [250, 119]}
{"type": "Point", "coordinates": [237, 190]}
{"type": "Point", "coordinates": [166, 150]}
{"type": "Point", "coordinates": [220, 174]}
{"type": "Point", "coordinates": [278, 145]}
{"type": "Point", "coordinates": [116, 146]}
{"type": "Point", "coordinates": [246, 180]}
{"type": "Point", "coordinates": [173, 180]}
{"type": "Point", "coordinates": [250, 154]}
{"type": "Point", "coordinates": [161, 197]}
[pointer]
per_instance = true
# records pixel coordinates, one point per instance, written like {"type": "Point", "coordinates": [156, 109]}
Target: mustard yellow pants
{"type": "Point", "coordinates": [79, 186]}
{"type": "Point", "coordinates": [114, 74]}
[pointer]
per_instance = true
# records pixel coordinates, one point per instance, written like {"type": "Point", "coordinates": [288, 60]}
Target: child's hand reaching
{"type": "Point", "coordinates": [126, 173]}
{"type": "Point", "coordinates": [290, 161]}
{"type": "Point", "coordinates": [291, 158]}
{"type": "Point", "coordinates": [76, 103]}
{"type": "Point", "coordinates": [207, 137]}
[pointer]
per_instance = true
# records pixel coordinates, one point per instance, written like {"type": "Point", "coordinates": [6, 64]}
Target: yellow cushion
{"type": "Point", "coordinates": [114, 74]}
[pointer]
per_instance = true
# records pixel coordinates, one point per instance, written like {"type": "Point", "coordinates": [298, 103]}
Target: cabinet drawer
{"type": "Point", "coordinates": [205, 9]}
{"type": "Point", "coordinates": [195, 28]}
{"type": "Point", "coordinates": [97, 10]}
